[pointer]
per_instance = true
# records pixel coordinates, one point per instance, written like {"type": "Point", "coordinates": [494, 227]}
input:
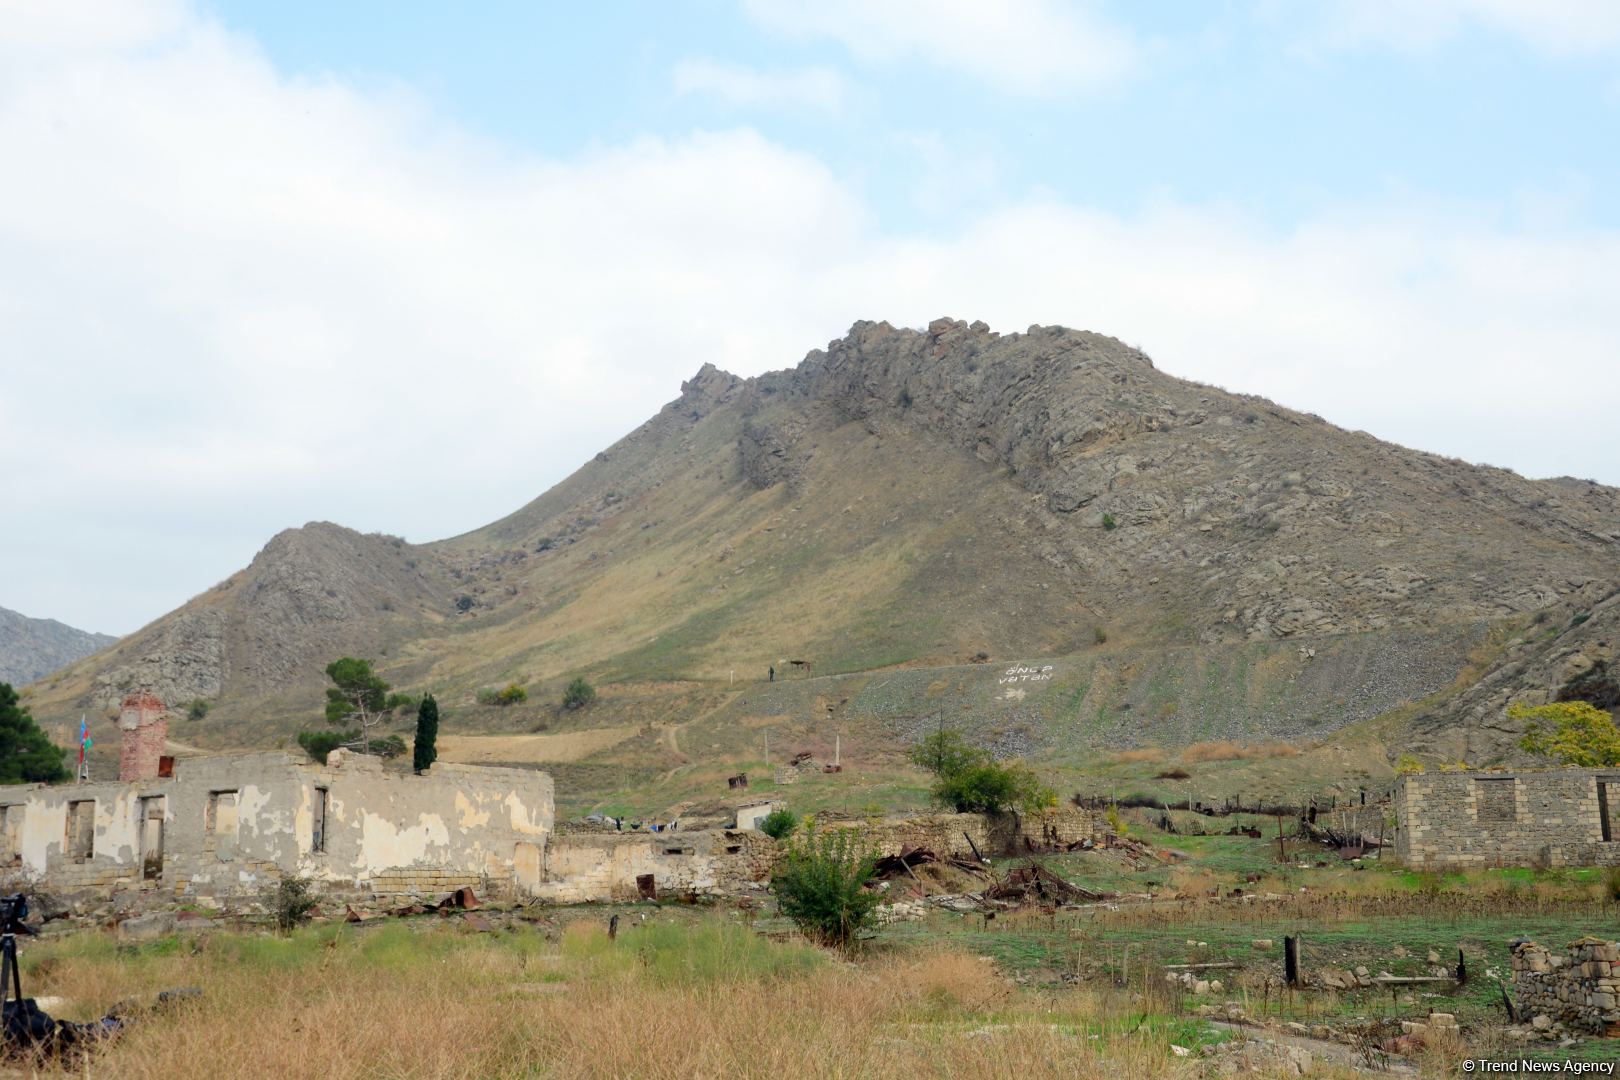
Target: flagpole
{"type": "Point", "coordinates": [84, 743]}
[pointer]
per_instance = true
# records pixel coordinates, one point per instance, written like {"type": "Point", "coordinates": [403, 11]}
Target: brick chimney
{"type": "Point", "coordinates": [145, 724]}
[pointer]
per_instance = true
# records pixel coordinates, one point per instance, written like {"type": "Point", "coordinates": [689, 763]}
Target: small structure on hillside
{"type": "Point", "coordinates": [1532, 817]}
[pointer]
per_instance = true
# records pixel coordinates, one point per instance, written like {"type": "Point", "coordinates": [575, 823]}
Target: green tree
{"type": "Point", "coordinates": [578, 694]}
{"type": "Point", "coordinates": [945, 753]}
{"type": "Point", "coordinates": [968, 780]}
{"type": "Point", "coordinates": [27, 755]}
{"type": "Point", "coordinates": [427, 734]}
{"type": "Point", "coordinates": [1571, 732]}
{"type": "Point", "coordinates": [821, 885]}
{"type": "Point", "coordinates": [359, 696]}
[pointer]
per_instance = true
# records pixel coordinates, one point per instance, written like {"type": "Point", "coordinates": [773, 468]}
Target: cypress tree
{"type": "Point", "coordinates": [427, 733]}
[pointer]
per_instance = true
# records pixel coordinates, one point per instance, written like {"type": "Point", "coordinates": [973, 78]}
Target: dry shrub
{"type": "Point", "coordinates": [1172, 774]}
{"type": "Point", "coordinates": [1152, 754]}
{"type": "Point", "coordinates": [1227, 750]}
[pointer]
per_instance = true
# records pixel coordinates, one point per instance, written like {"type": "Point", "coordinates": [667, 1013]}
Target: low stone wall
{"type": "Point", "coordinates": [599, 866]}
{"type": "Point", "coordinates": [991, 835]}
{"type": "Point", "coordinates": [1576, 992]}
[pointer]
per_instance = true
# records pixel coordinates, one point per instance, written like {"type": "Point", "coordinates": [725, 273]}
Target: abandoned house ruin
{"type": "Point", "coordinates": [236, 823]}
{"type": "Point", "coordinates": [1534, 817]}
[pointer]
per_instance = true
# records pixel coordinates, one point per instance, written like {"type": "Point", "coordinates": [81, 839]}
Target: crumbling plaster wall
{"type": "Point", "coordinates": [387, 832]}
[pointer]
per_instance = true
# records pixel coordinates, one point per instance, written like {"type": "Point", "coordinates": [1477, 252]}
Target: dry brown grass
{"type": "Point", "coordinates": [1227, 750]}
{"type": "Point", "coordinates": [460, 1005]}
{"type": "Point", "coordinates": [1149, 754]}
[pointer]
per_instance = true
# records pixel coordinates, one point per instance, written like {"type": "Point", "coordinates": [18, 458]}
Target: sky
{"type": "Point", "coordinates": [404, 266]}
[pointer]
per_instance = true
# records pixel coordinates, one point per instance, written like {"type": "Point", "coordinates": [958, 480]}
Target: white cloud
{"type": "Point", "coordinates": [818, 88]}
{"type": "Point", "coordinates": [232, 301]}
{"type": "Point", "coordinates": [1032, 47]}
{"type": "Point", "coordinates": [1553, 26]}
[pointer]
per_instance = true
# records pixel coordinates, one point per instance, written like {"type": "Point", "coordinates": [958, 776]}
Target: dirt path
{"type": "Point", "coordinates": [532, 749]}
{"type": "Point", "coordinates": [1337, 1053]}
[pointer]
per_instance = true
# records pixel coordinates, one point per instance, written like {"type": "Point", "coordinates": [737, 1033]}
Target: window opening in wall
{"type": "Point", "coordinates": [219, 825]}
{"type": "Point", "coordinates": [1606, 790]}
{"type": "Point", "coordinates": [318, 836]}
{"type": "Point", "coordinates": [1497, 800]}
{"type": "Point", "coordinates": [81, 830]}
{"type": "Point", "coordinates": [11, 833]}
{"type": "Point", "coordinates": [677, 851]}
{"type": "Point", "coordinates": [152, 815]}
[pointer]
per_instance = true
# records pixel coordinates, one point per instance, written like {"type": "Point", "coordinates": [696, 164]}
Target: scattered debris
{"type": "Point", "coordinates": [1035, 883]}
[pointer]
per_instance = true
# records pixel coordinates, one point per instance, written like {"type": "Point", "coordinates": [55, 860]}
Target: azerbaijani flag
{"type": "Point", "coordinates": [84, 738]}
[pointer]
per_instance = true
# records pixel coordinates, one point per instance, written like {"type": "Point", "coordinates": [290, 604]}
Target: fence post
{"type": "Point", "coordinates": [1291, 960]}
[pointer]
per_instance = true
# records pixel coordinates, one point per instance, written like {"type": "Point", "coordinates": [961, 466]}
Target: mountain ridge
{"type": "Point", "coordinates": [903, 497]}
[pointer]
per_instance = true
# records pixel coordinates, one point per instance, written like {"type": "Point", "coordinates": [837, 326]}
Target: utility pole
{"type": "Point", "coordinates": [767, 749]}
{"type": "Point", "coordinates": [838, 759]}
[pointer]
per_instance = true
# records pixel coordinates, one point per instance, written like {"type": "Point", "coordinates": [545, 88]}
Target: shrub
{"type": "Point", "coordinates": [821, 885]}
{"type": "Point", "coordinates": [513, 694]}
{"type": "Point", "coordinates": [1101, 635]}
{"type": "Point", "coordinates": [1115, 823]}
{"type": "Point", "coordinates": [969, 781]}
{"type": "Point", "coordinates": [1172, 774]}
{"type": "Point", "coordinates": [578, 694]}
{"type": "Point", "coordinates": [1227, 750]}
{"type": "Point", "coordinates": [425, 751]}
{"type": "Point", "coordinates": [1580, 734]}
{"type": "Point", "coordinates": [197, 710]}
{"type": "Point", "coordinates": [779, 824]}
{"type": "Point", "coordinates": [317, 744]}
{"type": "Point", "coordinates": [1407, 765]}
{"type": "Point", "coordinates": [292, 901]}
{"type": "Point", "coordinates": [390, 746]}
{"type": "Point", "coordinates": [464, 603]}
{"type": "Point", "coordinates": [1109, 523]}
{"type": "Point", "coordinates": [1611, 885]}
{"type": "Point", "coordinates": [545, 543]}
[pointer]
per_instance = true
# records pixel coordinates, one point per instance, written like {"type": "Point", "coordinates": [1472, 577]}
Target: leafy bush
{"type": "Point", "coordinates": [390, 746]}
{"type": "Point", "coordinates": [197, 710]}
{"type": "Point", "coordinates": [821, 885]}
{"type": "Point", "coordinates": [317, 744]}
{"type": "Point", "coordinates": [513, 694]}
{"type": "Point", "coordinates": [464, 603]}
{"type": "Point", "coordinates": [779, 824]}
{"type": "Point", "coordinates": [292, 901]}
{"type": "Point", "coordinates": [27, 754]}
{"type": "Point", "coordinates": [402, 701]}
{"type": "Point", "coordinates": [1579, 734]}
{"type": "Point", "coordinates": [1109, 523]}
{"type": "Point", "coordinates": [1407, 765]}
{"type": "Point", "coordinates": [968, 780]}
{"type": "Point", "coordinates": [1611, 885]}
{"type": "Point", "coordinates": [578, 694]}
{"type": "Point", "coordinates": [1101, 635]}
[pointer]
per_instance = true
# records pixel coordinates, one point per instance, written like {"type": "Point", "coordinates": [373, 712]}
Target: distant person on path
{"type": "Point", "coordinates": [773, 673]}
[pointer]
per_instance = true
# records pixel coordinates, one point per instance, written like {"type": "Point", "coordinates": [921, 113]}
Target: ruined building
{"type": "Point", "coordinates": [234, 824]}
{"type": "Point", "coordinates": [1533, 817]}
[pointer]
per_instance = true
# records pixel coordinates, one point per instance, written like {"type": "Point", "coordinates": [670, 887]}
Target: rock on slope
{"type": "Point", "coordinates": [908, 497]}
{"type": "Point", "coordinates": [33, 648]}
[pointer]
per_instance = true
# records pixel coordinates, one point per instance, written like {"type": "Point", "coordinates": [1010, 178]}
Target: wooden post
{"type": "Point", "coordinates": [1291, 960]}
{"type": "Point", "coordinates": [1462, 966]}
{"type": "Point", "coordinates": [613, 928]}
{"type": "Point", "coordinates": [1282, 845]}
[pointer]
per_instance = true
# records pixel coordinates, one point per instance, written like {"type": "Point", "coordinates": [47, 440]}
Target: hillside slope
{"type": "Point", "coordinates": [33, 648]}
{"type": "Point", "coordinates": [919, 499]}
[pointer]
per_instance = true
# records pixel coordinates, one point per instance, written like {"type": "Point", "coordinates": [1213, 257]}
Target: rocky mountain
{"type": "Point", "coordinates": [33, 648]}
{"type": "Point", "coordinates": [919, 499]}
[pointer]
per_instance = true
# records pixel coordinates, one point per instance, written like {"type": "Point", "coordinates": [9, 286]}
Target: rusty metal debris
{"type": "Point", "coordinates": [1036, 884]}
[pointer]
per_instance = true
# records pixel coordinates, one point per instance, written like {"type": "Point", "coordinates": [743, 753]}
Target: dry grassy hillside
{"type": "Point", "coordinates": [1192, 562]}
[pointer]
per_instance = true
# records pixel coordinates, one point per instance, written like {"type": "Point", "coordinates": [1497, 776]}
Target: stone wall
{"type": "Point", "coordinates": [236, 824]}
{"type": "Point", "coordinates": [992, 834]}
{"type": "Point", "coordinates": [605, 865]}
{"type": "Point", "coordinates": [1576, 993]}
{"type": "Point", "coordinates": [1545, 817]}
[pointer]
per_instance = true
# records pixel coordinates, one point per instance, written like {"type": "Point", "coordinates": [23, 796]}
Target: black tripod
{"type": "Point", "coordinates": [13, 910]}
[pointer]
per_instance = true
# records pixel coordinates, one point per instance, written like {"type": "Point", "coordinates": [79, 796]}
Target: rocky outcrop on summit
{"type": "Point", "coordinates": [920, 498]}
{"type": "Point", "coordinates": [1257, 520]}
{"type": "Point", "coordinates": [33, 648]}
{"type": "Point", "coordinates": [310, 595]}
